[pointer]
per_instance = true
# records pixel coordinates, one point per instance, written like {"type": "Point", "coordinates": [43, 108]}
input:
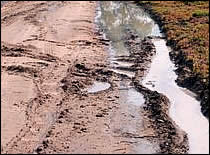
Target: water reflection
{"type": "Point", "coordinates": [184, 110]}
{"type": "Point", "coordinates": [98, 86]}
{"type": "Point", "coordinates": [118, 16]}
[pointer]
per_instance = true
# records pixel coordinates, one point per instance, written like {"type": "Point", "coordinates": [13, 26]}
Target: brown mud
{"type": "Point", "coordinates": [170, 137]}
{"type": "Point", "coordinates": [54, 49]}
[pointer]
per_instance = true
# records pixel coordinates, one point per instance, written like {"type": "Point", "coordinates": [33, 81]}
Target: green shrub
{"type": "Point", "coordinates": [200, 13]}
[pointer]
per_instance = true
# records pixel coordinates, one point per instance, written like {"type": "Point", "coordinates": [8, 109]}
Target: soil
{"type": "Point", "coordinates": [51, 53]}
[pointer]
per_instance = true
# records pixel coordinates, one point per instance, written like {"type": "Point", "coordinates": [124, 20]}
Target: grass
{"type": "Point", "coordinates": [200, 13]}
{"type": "Point", "coordinates": [187, 23]}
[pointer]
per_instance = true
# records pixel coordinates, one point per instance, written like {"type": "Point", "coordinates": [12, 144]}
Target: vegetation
{"type": "Point", "coordinates": [200, 13]}
{"type": "Point", "coordinates": [187, 24]}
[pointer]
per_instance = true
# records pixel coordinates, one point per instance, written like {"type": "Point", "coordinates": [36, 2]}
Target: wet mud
{"type": "Point", "coordinates": [66, 116]}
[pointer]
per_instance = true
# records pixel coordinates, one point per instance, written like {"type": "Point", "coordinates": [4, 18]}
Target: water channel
{"type": "Point", "coordinates": [115, 18]}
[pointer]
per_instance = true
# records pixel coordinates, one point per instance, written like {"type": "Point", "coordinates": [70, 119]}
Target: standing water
{"type": "Point", "coordinates": [115, 18]}
{"type": "Point", "coordinates": [98, 86]}
{"type": "Point", "coordinates": [185, 110]}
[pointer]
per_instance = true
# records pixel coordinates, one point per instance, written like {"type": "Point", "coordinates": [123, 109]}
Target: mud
{"type": "Point", "coordinates": [156, 108]}
{"type": "Point", "coordinates": [46, 58]}
{"type": "Point", "coordinates": [15, 90]}
{"type": "Point", "coordinates": [56, 46]}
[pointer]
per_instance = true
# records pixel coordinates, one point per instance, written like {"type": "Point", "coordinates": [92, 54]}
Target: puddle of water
{"type": "Point", "coordinates": [115, 18]}
{"type": "Point", "coordinates": [98, 86]}
{"type": "Point", "coordinates": [184, 110]}
{"type": "Point", "coordinates": [145, 147]}
{"type": "Point", "coordinates": [131, 96]}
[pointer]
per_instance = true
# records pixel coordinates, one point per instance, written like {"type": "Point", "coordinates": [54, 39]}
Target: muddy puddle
{"type": "Point", "coordinates": [116, 18]}
{"type": "Point", "coordinates": [98, 87]}
{"type": "Point", "coordinates": [185, 110]}
{"type": "Point", "coordinates": [131, 96]}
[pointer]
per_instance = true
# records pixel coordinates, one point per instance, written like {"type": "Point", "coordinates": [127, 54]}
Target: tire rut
{"type": "Point", "coordinates": [38, 122]}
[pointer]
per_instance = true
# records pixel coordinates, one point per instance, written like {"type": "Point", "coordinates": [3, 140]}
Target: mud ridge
{"type": "Point", "coordinates": [11, 50]}
{"type": "Point", "coordinates": [170, 137]}
{"type": "Point", "coordinates": [141, 51]}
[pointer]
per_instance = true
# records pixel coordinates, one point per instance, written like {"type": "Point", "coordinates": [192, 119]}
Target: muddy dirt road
{"type": "Point", "coordinates": [60, 94]}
